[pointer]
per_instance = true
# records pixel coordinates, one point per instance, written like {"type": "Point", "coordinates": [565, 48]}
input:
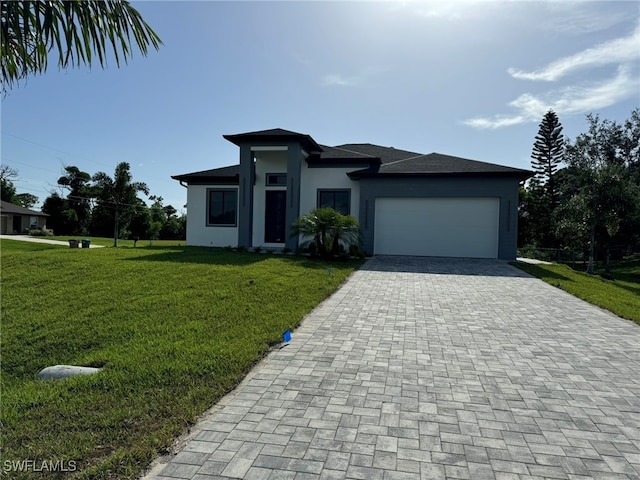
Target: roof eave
{"type": "Point", "coordinates": [194, 179]}
{"type": "Point", "coordinates": [307, 141]}
{"type": "Point", "coordinates": [364, 174]}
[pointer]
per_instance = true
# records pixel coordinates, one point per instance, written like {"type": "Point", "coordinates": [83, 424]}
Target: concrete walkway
{"type": "Point", "coordinates": [27, 238]}
{"type": "Point", "coordinates": [424, 368]}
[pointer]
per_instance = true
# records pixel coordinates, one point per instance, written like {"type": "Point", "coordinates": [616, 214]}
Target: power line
{"type": "Point", "coordinates": [54, 149]}
{"type": "Point", "coordinates": [5, 159]}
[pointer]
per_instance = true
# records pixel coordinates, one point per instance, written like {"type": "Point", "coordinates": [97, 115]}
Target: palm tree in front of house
{"type": "Point", "coordinates": [327, 231]}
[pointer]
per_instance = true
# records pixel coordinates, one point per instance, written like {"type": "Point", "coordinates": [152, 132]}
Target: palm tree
{"type": "Point", "coordinates": [119, 193]}
{"type": "Point", "coordinates": [328, 230]}
{"type": "Point", "coordinates": [77, 29]}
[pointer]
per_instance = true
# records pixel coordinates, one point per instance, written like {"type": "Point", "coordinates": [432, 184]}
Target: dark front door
{"type": "Point", "coordinates": [17, 223]}
{"type": "Point", "coordinates": [275, 224]}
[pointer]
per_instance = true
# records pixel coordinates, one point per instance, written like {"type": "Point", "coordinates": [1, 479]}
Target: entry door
{"type": "Point", "coordinates": [17, 223]}
{"type": "Point", "coordinates": [275, 221]}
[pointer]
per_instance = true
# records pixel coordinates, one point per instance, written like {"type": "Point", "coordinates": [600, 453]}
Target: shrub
{"type": "Point", "coordinates": [36, 232]}
{"type": "Point", "coordinates": [329, 231]}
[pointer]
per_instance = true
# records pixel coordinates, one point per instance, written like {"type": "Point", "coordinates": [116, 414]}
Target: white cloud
{"type": "Point", "coordinates": [620, 50]}
{"type": "Point", "coordinates": [335, 79]}
{"type": "Point", "coordinates": [579, 18]}
{"type": "Point", "coordinates": [498, 121]}
{"type": "Point", "coordinates": [569, 101]}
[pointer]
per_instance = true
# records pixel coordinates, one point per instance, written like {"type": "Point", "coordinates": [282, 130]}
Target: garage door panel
{"type": "Point", "coordinates": [447, 227]}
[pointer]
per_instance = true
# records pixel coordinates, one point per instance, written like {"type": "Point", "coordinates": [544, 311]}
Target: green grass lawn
{"type": "Point", "coordinates": [620, 295]}
{"type": "Point", "coordinates": [175, 328]}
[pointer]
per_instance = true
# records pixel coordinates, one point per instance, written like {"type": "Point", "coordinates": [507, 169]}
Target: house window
{"type": "Point", "coordinates": [276, 179]}
{"type": "Point", "coordinates": [222, 207]}
{"type": "Point", "coordinates": [339, 200]}
{"type": "Point", "coordinates": [33, 223]}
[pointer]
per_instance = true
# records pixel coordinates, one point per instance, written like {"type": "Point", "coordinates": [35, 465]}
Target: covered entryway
{"type": "Point", "coordinates": [438, 227]}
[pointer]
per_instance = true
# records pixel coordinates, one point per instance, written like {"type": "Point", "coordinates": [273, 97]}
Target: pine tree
{"type": "Point", "coordinates": [547, 153]}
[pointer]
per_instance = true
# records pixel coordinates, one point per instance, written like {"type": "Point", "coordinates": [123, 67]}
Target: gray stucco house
{"type": "Point", "coordinates": [407, 203]}
{"type": "Point", "coordinates": [17, 219]}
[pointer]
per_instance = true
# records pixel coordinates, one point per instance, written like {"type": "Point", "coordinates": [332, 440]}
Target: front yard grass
{"type": "Point", "coordinates": [620, 295]}
{"type": "Point", "coordinates": [175, 328]}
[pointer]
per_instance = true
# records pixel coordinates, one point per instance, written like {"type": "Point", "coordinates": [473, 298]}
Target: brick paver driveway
{"type": "Point", "coordinates": [423, 368]}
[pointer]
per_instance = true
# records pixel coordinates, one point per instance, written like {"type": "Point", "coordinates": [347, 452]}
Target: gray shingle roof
{"type": "Point", "coordinates": [382, 161]}
{"type": "Point", "coordinates": [340, 153]}
{"type": "Point", "coordinates": [275, 134]}
{"type": "Point", "coordinates": [385, 154]}
{"type": "Point", "coordinates": [224, 173]}
{"type": "Point", "coordinates": [439, 164]}
{"type": "Point", "coordinates": [6, 207]}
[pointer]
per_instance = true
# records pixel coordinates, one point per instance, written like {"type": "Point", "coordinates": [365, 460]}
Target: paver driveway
{"type": "Point", "coordinates": [425, 368]}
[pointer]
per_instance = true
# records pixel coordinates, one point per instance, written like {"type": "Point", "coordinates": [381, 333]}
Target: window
{"type": "Point", "coordinates": [276, 179]}
{"type": "Point", "coordinates": [339, 200]}
{"type": "Point", "coordinates": [33, 223]}
{"type": "Point", "coordinates": [222, 207]}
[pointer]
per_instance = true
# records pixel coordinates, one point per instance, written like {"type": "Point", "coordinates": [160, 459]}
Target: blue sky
{"type": "Point", "coordinates": [471, 79]}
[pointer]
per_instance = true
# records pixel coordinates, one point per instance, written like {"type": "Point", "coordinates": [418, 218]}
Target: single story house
{"type": "Point", "coordinates": [15, 219]}
{"type": "Point", "coordinates": [407, 203]}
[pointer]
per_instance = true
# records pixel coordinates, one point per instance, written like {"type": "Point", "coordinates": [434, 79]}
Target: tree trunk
{"type": "Point", "coordinates": [115, 229]}
{"type": "Point", "coordinates": [591, 248]}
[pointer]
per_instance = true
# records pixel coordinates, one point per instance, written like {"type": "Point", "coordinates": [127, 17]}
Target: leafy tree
{"type": "Point", "coordinates": [630, 144]}
{"type": "Point", "coordinates": [604, 194]}
{"type": "Point", "coordinates": [78, 198]}
{"type": "Point", "coordinates": [26, 200]}
{"type": "Point", "coordinates": [118, 194]}
{"type": "Point", "coordinates": [140, 221]}
{"type": "Point", "coordinates": [175, 228]}
{"type": "Point", "coordinates": [171, 227]}
{"type": "Point", "coordinates": [328, 230]}
{"type": "Point", "coordinates": [547, 154]}
{"type": "Point", "coordinates": [62, 219]}
{"type": "Point", "coordinates": [533, 215]}
{"type": "Point", "coordinates": [7, 189]}
{"type": "Point", "coordinates": [78, 30]}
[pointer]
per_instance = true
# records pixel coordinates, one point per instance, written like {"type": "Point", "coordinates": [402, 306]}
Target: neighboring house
{"type": "Point", "coordinates": [407, 203]}
{"type": "Point", "coordinates": [16, 219]}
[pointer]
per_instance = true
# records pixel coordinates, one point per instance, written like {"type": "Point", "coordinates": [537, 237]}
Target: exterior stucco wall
{"type": "Point", "coordinates": [326, 178]}
{"type": "Point", "coordinates": [198, 232]}
{"type": "Point", "coordinates": [506, 189]}
{"type": "Point", "coordinates": [6, 225]}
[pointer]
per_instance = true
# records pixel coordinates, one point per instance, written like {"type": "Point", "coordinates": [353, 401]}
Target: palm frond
{"type": "Point", "coordinates": [76, 29]}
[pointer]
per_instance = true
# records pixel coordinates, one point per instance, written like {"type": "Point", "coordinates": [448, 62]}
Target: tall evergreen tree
{"type": "Point", "coordinates": [547, 153]}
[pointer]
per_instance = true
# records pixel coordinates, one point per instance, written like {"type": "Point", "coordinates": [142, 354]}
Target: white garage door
{"type": "Point", "coordinates": [439, 227]}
